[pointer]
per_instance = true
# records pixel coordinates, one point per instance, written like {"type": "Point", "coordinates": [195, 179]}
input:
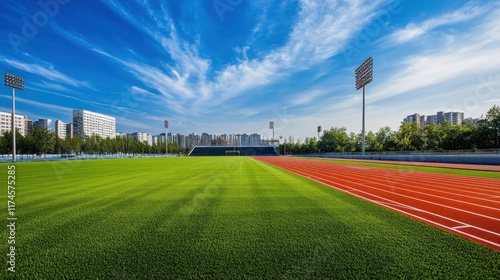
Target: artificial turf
{"type": "Point", "coordinates": [217, 218]}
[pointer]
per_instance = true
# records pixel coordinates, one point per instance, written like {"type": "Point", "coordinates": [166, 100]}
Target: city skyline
{"type": "Point", "coordinates": [235, 67]}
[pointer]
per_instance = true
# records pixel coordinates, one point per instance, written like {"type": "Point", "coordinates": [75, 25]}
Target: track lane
{"type": "Point", "coordinates": [474, 217]}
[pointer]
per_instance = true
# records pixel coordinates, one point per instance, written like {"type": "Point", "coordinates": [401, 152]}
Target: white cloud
{"type": "Point", "coordinates": [44, 70]}
{"type": "Point", "coordinates": [442, 63]}
{"type": "Point", "coordinates": [321, 29]}
{"type": "Point", "coordinates": [47, 106]}
{"type": "Point", "coordinates": [413, 30]}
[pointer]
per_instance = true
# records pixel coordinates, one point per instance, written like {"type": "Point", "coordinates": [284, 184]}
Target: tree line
{"type": "Point", "coordinates": [409, 137]}
{"type": "Point", "coordinates": [44, 141]}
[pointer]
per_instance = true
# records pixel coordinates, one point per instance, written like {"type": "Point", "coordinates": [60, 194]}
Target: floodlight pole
{"type": "Point", "coordinates": [363, 129]}
{"type": "Point", "coordinates": [271, 126]}
{"type": "Point", "coordinates": [13, 125]}
{"type": "Point", "coordinates": [165, 123]}
{"type": "Point", "coordinates": [364, 75]}
{"type": "Point", "coordinates": [14, 82]}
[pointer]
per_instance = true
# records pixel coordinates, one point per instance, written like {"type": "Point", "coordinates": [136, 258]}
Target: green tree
{"type": "Point", "coordinates": [408, 137]}
{"type": "Point", "coordinates": [354, 143]}
{"type": "Point", "coordinates": [312, 145]}
{"type": "Point", "coordinates": [334, 140]}
{"type": "Point", "coordinates": [43, 140]}
{"type": "Point", "coordinates": [6, 143]}
{"type": "Point", "coordinates": [383, 140]}
{"type": "Point", "coordinates": [492, 123]}
{"type": "Point", "coordinates": [370, 141]}
{"type": "Point", "coordinates": [76, 144]}
{"type": "Point", "coordinates": [432, 138]}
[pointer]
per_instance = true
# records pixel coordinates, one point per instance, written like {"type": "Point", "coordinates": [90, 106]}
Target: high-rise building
{"type": "Point", "coordinates": [181, 140]}
{"type": "Point", "coordinates": [193, 139]}
{"type": "Point", "coordinates": [454, 117]}
{"type": "Point", "coordinates": [423, 121]}
{"type": "Point", "coordinates": [29, 126]}
{"type": "Point", "coordinates": [431, 119]}
{"type": "Point", "coordinates": [415, 118]}
{"type": "Point", "coordinates": [142, 137]}
{"type": "Point", "coordinates": [245, 139]}
{"type": "Point", "coordinates": [206, 138]}
{"type": "Point", "coordinates": [255, 139]}
{"type": "Point", "coordinates": [60, 129]}
{"type": "Point", "coordinates": [6, 123]}
{"type": "Point", "coordinates": [440, 117]}
{"type": "Point", "coordinates": [69, 130]}
{"type": "Point", "coordinates": [90, 123]}
{"type": "Point", "coordinates": [43, 123]}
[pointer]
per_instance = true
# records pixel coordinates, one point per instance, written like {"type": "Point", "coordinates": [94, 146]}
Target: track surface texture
{"type": "Point", "coordinates": [482, 167]}
{"type": "Point", "coordinates": [467, 206]}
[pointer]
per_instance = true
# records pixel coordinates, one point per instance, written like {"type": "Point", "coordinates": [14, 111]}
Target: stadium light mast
{"type": "Point", "coordinates": [271, 126]}
{"type": "Point", "coordinates": [166, 137]}
{"type": "Point", "coordinates": [281, 138]}
{"type": "Point", "coordinates": [319, 130]}
{"type": "Point", "coordinates": [14, 82]}
{"type": "Point", "coordinates": [364, 75]}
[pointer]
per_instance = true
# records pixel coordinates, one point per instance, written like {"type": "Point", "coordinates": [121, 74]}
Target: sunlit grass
{"type": "Point", "coordinates": [218, 217]}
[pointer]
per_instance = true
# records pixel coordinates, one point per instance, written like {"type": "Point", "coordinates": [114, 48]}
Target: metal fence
{"type": "Point", "coordinates": [55, 157]}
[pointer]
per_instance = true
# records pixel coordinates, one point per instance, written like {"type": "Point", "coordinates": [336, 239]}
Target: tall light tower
{"type": "Point", "coordinates": [319, 130]}
{"type": "Point", "coordinates": [13, 82]}
{"type": "Point", "coordinates": [364, 75]}
{"type": "Point", "coordinates": [281, 138]}
{"type": "Point", "coordinates": [166, 137]}
{"type": "Point", "coordinates": [271, 126]}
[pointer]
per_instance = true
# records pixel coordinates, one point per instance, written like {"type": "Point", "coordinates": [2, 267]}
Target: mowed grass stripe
{"type": "Point", "coordinates": [223, 217]}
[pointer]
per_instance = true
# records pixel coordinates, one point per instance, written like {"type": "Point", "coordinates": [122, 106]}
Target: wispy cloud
{"type": "Point", "coordinates": [186, 83]}
{"type": "Point", "coordinates": [44, 70]}
{"type": "Point", "coordinates": [455, 60]}
{"type": "Point", "coordinates": [47, 106]}
{"type": "Point", "coordinates": [415, 30]}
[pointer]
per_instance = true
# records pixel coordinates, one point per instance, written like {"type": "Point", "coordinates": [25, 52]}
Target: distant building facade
{"type": "Point", "coordinates": [142, 137]}
{"type": "Point", "coordinates": [439, 118]}
{"type": "Point", "coordinates": [60, 129]}
{"type": "Point", "coordinates": [87, 123]}
{"type": "Point", "coordinates": [43, 123]}
{"type": "Point", "coordinates": [69, 131]}
{"type": "Point", "coordinates": [6, 123]}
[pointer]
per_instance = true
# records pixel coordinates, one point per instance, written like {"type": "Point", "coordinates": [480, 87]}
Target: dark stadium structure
{"type": "Point", "coordinates": [233, 151]}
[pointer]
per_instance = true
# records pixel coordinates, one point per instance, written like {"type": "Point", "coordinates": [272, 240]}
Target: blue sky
{"type": "Point", "coordinates": [231, 66]}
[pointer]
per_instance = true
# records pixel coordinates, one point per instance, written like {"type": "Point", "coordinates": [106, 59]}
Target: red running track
{"type": "Point", "coordinates": [467, 206]}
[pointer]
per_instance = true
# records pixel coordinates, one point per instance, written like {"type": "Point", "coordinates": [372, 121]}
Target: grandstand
{"type": "Point", "coordinates": [233, 151]}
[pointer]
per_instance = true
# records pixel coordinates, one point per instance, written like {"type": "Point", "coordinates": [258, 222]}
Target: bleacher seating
{"type": "Point", "coordinates": [232, 150]}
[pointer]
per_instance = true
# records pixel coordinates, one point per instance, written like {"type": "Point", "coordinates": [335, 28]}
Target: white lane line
{"type": "Point", "coordinates": [464, 226]}
{"type": "Point", "coordinates": [423, 200]}
{"type": "Point", "coordinates": [388, 205]}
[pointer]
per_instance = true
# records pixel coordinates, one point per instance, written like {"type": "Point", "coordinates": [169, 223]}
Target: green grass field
{"type": "Point", "coordinates": [216, 218]}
